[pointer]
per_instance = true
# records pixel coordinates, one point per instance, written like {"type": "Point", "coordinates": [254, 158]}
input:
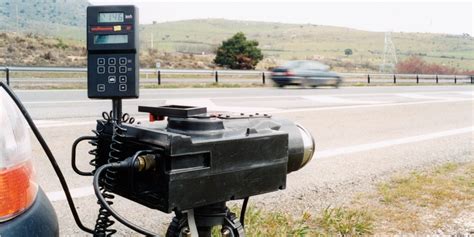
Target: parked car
{"type": "Point", "coordinates": [305, 73]}
{"type": "Point", "coordinates": [24, 208]}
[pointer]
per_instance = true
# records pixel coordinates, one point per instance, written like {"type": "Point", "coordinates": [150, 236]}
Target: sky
{"type": "Point", "coordinates": [452, 17]}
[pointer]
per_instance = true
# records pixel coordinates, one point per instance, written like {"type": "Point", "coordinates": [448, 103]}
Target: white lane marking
{"type": "Point", "coordinates": [365, 106]}
{"type": "Point", "coordinates": [56, 123]}
{"type": "Point", "coordinates": [423, 97]}
{"type": "Point", "coordinates": [338, 100]}
{"type": "Point", "coordinates": [204, 102]}
{"type": "Point", "coordinates": [75, 193]}
{"type": "Point", "coordinates": [42, 124]}
{"type": "Point", "coordinates": [233, 97]}
{"type": "Point", "coordinates": [393, 142]}
{"type": "Point", "coordinates": [53, 124]}
{"type": "Point", "coordinates": [213, 107]}
{"type": "Point", "coordinates": [469, 93]}
{"type": "Point", "coordinates": [88, 190]}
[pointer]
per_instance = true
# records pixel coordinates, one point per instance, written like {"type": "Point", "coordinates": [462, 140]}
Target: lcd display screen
{"type": "Point", "coordinates": [106, 17]}
{"type": "Point", "coordinates": [110, 39]}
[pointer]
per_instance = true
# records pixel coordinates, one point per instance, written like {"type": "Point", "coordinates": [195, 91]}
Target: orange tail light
{"type": "Point", "coordinates": [17, 186]}
{"type": "Point", "coordinates": [17, 190]}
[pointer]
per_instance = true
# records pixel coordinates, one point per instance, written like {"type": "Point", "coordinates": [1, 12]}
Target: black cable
{"type": "Point", "coordinates": [50, 156]}
{"type": "Point", "coordinates": [122, 164]}
{"type": "Point", "coordinates": [243, 210]}
{"type": "Point", "coordinates": [73, 155]}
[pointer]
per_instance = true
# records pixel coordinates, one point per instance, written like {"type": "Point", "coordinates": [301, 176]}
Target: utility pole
{"type": "Point", "coordinates": [389, 54]}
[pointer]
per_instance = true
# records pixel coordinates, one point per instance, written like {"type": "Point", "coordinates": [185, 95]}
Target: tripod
{"type": "Point", "coordinates": [202, 220]}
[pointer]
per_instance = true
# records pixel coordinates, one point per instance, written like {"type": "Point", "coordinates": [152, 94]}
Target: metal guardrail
{"type": "Point", "coordinates": [368, 77]}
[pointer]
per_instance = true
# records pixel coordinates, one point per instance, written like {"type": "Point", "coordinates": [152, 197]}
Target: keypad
{"type": "Point", "coordinates": [115, 70]}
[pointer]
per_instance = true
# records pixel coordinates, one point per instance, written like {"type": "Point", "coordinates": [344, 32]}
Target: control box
{"type": "Point", "coordinates": [112, 52]}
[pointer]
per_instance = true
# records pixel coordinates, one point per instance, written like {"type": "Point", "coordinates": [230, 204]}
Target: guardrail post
{"type": "Point", "coordinates": [7, 75]}
{"type": "Point", "coordinates": [436, 78]}
{"type": "Point", "coordinates": [159, 77]}
{"type": "Point", "coordinates": [455, 80]}
{"type": "Point", "coordinates": [368, 78]}
{"type": "Point", "coordinates": [216, 77]}
{"type": "Point", "coordinates": [394, 79]}
{"type": "Point", "coordinates": [417, 79]}
{"type": "Point", "coordinates": [263, 78]}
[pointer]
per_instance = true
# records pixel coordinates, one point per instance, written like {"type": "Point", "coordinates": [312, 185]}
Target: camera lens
{"type": "Point", "coordinates": [301, 145]}
{"type": "Point", "coordinates": [308, 145]}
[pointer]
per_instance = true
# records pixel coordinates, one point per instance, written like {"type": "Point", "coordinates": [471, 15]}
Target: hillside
{"type": "Point", "coordinates": [36, 50]}
{"type": "Point", "coordinates": [49, 17]}
{"type": "Point", "coordinates": [325, 43]}
{"type": "Point", "coordinates": [280, 42]}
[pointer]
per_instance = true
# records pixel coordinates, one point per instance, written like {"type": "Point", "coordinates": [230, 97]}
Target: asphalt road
{"type": "Point", "coordinates": [363, 135]}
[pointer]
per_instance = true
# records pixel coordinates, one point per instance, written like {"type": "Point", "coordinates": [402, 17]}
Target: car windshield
{"type": "Point", "coordinates": [293, 64]}
{"type": "Point", "coordinates": [309, 65]}
{"type": "Point", "coordinates": [312, 65]}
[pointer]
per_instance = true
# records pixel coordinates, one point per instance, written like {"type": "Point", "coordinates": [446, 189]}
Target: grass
{"type": "Point", "coordinates": [332, 221]}
{"type": "Point", "coordinates": [422, 201]}
{"type": "Point", "coordinates": [415, 203]}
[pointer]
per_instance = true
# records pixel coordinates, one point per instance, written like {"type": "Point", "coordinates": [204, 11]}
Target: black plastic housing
{"type": "Point", "coordinates": [205, 159]}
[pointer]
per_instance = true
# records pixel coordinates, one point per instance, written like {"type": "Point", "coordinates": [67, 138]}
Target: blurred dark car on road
{"type": "Point", "coordinates": [305, 73]}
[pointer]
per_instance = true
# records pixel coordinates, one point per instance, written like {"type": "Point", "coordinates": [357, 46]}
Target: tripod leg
{"type": "Point", "coordinates": [232, 226]}
{"type": "Point", "coordinates": [192, 223]}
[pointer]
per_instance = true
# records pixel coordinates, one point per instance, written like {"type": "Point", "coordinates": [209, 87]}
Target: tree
{"type": "Point", "coordinates": [348, 52]}
{"type": "Point", "coordinates": [238, 53]}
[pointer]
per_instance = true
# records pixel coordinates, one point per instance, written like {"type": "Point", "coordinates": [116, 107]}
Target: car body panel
{"type": "Point", "coordinates": [305, 73]}
{"type": "Point", "coordinates": [39, 220]}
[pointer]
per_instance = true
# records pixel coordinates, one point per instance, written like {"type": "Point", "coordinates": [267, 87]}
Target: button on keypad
{"type": "Point", "coordinates": [123, 61]}
{"type": "Point", "coordinates": [101, 61]}
{"type": "Point", "coordinates": [100, 69]}
{"type": "Point", "coordinates": [112, 61]}
{"type": "Point", "coordinates": [122, 79]}
{"type": "Point", "coordinates": [112, 69]}
{"type": "Point", "coordinates": [123, 87]}
{"type": "Point", "coordinates": [100, 87]}
{"type": "Point", "coordinates": [112, 79]}
{"type": "Point", "coordinates": [123, 69]}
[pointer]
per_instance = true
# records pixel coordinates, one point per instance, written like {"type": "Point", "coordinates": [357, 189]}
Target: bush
{"type": "Point", "coordinates": [238, 53]}
{"type": "Point", "coordinates": [348, 52]}
{"type": "Point", "coordinates": [416, 65]}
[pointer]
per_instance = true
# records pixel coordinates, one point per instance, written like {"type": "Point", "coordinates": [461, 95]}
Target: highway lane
{"type": "Point", "coordinates": [73, 104]}
{"type": "Point", "coordinates": [363, 134]}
